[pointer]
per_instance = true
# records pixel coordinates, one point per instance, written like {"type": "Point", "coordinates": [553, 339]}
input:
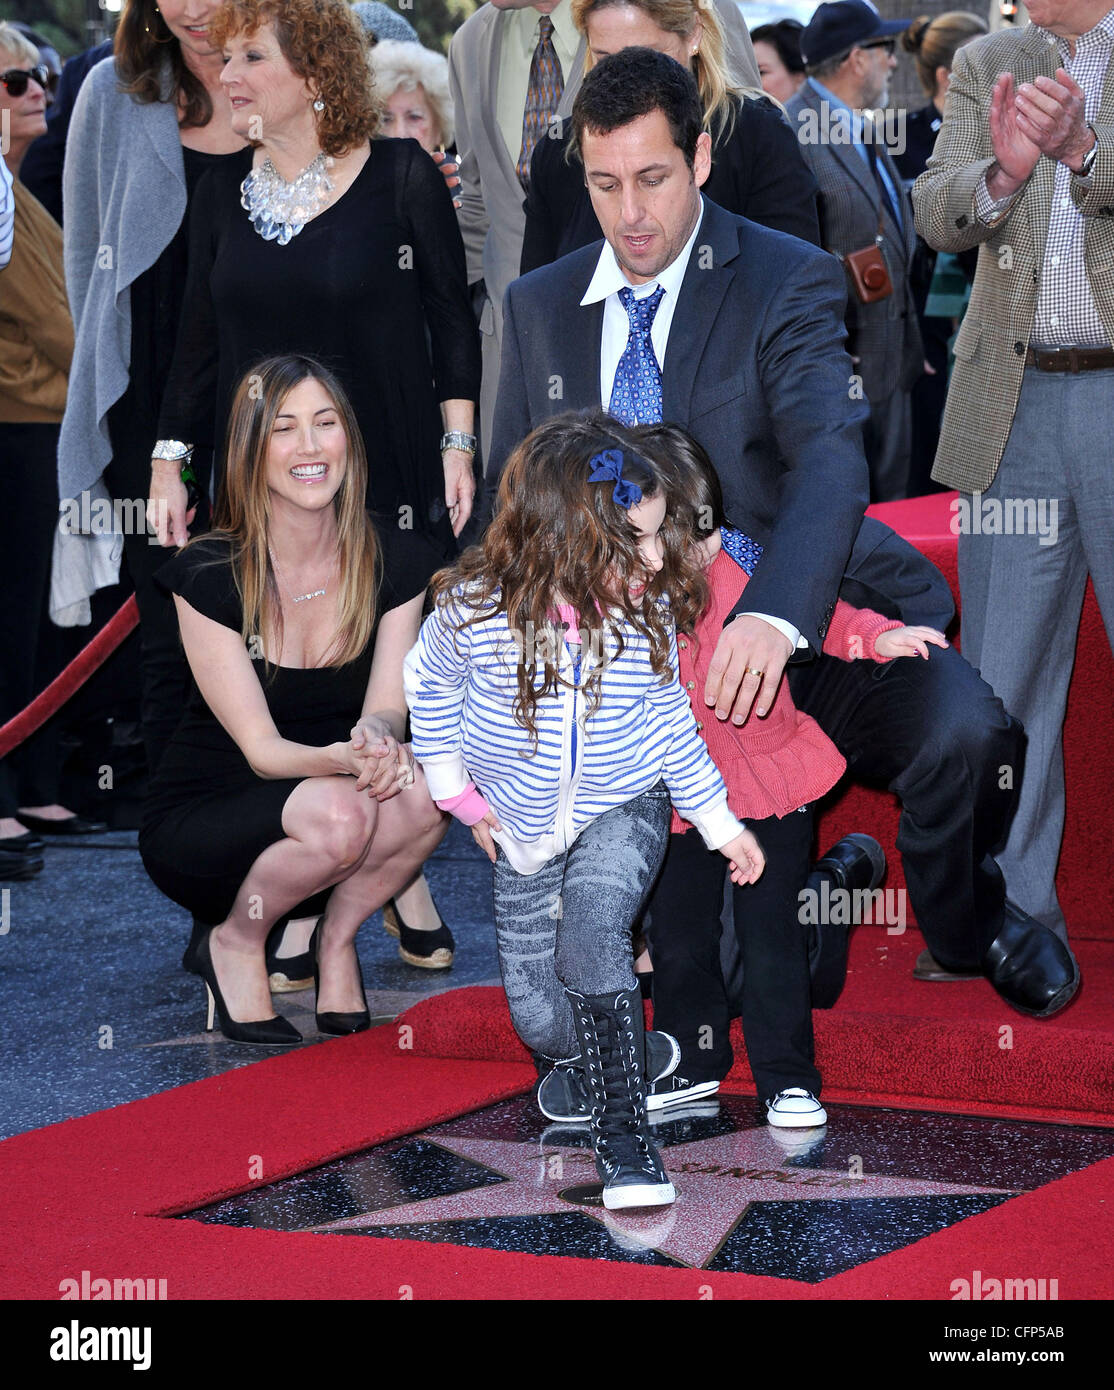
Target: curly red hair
{"type": "Point", "coordinates": [326, 46]}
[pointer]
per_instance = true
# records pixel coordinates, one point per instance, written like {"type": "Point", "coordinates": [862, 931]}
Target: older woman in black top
{"type": "Point", "coordinates": [757, 168]}
{"type": "Point", "coordinates": [320, 240]}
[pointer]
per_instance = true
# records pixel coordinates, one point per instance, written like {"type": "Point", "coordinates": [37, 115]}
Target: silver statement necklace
{"type": "Point", "coordinates": [298, 598]}
{"type": "Point", "coordinates": [279, 210]}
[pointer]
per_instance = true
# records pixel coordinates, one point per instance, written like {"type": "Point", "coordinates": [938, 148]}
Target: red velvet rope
{"type": "Point", "coordinates": [94, 654]}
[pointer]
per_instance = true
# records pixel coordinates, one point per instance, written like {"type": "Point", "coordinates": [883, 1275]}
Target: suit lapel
{"type": "Point", "coordinates": [706, 281]}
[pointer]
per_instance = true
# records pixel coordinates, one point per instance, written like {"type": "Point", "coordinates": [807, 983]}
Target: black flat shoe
{"type": "Point", "coordinates": [71, 825]}
{"type": "Point", "coordinates": [23, 844]}
{"type": "Point", "coordinates": [263, 1032]}
{"type": "Point", "coordinates": [18, 867]}
{"type": "Point", "coordinates": [1030, 967]}
{"type": "Point", "coordinates": [428, 950]}
{"type": "Point", "coordinates": [338, 1025]}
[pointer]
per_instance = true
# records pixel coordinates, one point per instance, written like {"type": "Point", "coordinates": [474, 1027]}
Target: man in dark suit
{"type": "Point", "coordinates": [848, 51]}
{"type": "Point", "coordinates": [746, 353]}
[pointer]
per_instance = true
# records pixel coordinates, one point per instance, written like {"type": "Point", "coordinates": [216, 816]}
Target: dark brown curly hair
{"type": "Point", "coordinates": [141, 47]}
{"type": "Point", "coordinates": [558, 538]}
{"type": "Point", "coordinates": [324, 43]}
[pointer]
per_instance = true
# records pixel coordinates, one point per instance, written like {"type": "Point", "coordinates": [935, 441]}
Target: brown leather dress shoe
{"type": "Point", "coordinates": [929, 968]}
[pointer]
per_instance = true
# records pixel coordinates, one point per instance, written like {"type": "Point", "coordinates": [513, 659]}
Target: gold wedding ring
{"type": "Point", "coordinates": [753, 671]}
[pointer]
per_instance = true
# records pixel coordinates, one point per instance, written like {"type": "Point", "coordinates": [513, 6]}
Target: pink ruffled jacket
{"type": "Point", "coordinates": [774, 765]}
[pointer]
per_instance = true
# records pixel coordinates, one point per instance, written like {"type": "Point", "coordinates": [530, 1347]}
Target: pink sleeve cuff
{"type": "Point", "coordinates": [467, 806]}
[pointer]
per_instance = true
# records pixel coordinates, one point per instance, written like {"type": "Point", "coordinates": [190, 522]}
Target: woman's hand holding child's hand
{"type": "Point", "coordinates": [908, 641]}
{"type": "Point", "coordinates": [481, 833]}
{"type": "Point", "coordinates": [747, 859]}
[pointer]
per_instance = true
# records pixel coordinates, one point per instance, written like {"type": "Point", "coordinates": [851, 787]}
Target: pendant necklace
{"type": "Point", "coordinates": [298, 598]}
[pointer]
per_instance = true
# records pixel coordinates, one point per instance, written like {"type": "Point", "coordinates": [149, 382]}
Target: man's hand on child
{"type": "Point", "coordinates": [481, 833]}
{"type": "Point", "coordinates": [747, 859]}
{"type": "Point", "coordinates": [908, 641]}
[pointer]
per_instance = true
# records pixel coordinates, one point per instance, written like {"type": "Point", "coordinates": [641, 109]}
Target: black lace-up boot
{"type": "Point", "coordinates": [612, 1040]}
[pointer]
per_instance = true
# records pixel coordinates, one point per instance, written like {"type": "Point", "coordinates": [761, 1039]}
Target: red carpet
{"type": "Point", "coordinates": [892, 1040]}
{"type": "Point", "coordinates": [1083, 881]}
{"type": "Point", "coordinates": [96, 1193]}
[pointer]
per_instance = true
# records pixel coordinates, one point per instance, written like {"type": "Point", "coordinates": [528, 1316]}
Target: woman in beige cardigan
{"type": "Point", "coordinates": [36, 343]}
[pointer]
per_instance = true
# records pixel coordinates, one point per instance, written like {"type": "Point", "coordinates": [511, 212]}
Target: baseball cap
{"type": "Point", "coordinates": [840, 26]}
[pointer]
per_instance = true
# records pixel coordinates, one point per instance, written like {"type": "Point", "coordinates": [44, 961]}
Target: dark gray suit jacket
{"type": "Point", "coordinates": [884, 336]}
{"type": "Point", "coordinates": [756, 371]}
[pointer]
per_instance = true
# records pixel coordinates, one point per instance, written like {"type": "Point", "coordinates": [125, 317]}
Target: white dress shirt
{"type": "Point", "coordinates": [606, 282]}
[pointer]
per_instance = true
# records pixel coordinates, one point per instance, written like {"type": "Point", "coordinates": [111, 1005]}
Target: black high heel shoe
{"type": "Point", "coordinates": [429, 950]}
{"type": "Point", "coordinates": [338, 1025]}
{"type": "Point", "coordinates": [264, 1032]}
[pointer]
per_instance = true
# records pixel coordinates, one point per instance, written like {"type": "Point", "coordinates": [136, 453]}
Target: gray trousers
{"type": "Point", "coordinates": [1022, 595]}
{"type": "Point", "coordinates": [569, 925]}
{"type": "Point", "coordinates": [888, 444]}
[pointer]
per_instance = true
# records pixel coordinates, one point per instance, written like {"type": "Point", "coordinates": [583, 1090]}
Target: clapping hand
{"type": "Point", "coordinates": [1052, 115]}
{"type": "Point", "coordinates": [908, 641]}
{"type": "Point", "coordinates": [1015, 150]}
{"type": "Point", "coordinates": [386, 766]}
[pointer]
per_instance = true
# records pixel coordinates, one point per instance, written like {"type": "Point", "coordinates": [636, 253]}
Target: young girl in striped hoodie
{"type": "Point", "coordinates": [546, 713]}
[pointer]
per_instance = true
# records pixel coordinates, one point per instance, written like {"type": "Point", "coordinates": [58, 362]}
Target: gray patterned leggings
{"type": "Point", "coordinates": [569, 925]}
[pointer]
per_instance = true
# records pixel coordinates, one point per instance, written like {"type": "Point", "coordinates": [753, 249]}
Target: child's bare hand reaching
{"type": "Point", "coordinates": [908, 641]}
{"type": "Point", "coordinates": [481, 833]}
{"type": "Point", "coordinates": [747, 859]}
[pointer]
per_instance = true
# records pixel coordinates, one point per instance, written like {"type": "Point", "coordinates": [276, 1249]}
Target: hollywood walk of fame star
{"type": "Point", "coordinates": [717, 1180]}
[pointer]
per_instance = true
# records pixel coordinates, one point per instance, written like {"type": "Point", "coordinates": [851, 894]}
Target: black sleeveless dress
{"type": "Point", "coordinates": [208, 816]}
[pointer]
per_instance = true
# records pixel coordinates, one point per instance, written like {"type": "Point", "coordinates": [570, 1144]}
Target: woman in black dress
{"type": "Point", "coordinates": [287, 776]}
{"type": "Point", "coordinates": [322, 241]}
{"type": "Point", "coordinates": [757, 167]}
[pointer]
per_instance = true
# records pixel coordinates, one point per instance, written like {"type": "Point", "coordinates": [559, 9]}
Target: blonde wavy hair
{"type": "Point", "coordinates": [243, 512]}
{"type": "Point", "coordinates": [714, 78]}
{"type": "Point", "coordinates": [405, 67]}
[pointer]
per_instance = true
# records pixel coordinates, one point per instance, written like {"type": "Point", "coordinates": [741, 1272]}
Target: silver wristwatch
{"type": "Point", "coordinates": [457, 439]}
{"type": "Point", "coordinates": [171, 449]}
{"type": "Point", "coordinates": [1084, 170]}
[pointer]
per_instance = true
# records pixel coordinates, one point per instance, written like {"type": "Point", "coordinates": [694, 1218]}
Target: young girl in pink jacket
{"type": "Point", "coordinates": [775, 769]}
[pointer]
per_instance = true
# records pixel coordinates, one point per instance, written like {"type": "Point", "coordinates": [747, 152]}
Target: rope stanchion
{"type": "Point", "coordinates": [94, 654]}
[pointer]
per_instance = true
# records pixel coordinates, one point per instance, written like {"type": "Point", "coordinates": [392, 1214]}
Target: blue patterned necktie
{"type": "Point", "coordinates": [745, 552]}
{"type": "Point", "coordinates": [636, 393]}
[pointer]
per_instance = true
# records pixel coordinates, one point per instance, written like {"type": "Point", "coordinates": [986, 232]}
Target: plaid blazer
{"type": "Point", "coordinates": [994, 336]}
{"type": "Point", "coordinates": [884, 336]}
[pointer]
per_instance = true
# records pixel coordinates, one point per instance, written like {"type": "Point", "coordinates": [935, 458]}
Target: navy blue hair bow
{"type": "Point", "coordinates": [607, 465]}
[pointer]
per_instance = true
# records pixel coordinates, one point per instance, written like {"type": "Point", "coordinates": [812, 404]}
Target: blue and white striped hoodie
{"type": "Point", "coordinates": [461, 688]}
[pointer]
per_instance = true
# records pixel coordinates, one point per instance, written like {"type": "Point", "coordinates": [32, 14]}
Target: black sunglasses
{"type": "Point", "coordinates": [890, 45]}
{"type": "Point", "coordinates": [15, 80]}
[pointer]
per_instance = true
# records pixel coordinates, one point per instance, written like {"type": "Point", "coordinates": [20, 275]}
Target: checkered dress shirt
{"type": "Point", "coordinates": [1066, 315]}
